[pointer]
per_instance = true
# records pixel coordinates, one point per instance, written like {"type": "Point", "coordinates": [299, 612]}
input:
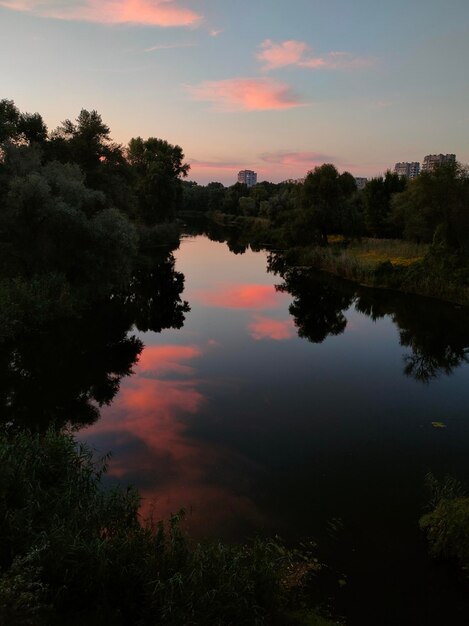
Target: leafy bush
{"type": "Point", "coordinates": [71, 552]}
{"type": "Point", "coordinates": [447, 524]}
{"type": "Point", "coordinates": [447, 529]}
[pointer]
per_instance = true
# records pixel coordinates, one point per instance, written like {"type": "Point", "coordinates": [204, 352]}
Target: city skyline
{"type": "Point", "coordinates": [274, 88]}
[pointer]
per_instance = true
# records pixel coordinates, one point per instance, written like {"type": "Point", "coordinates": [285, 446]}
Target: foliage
{"type": "Point", "coordinates": [376, 198]}
{"type": "Point", "coordinates": [323, 201]}
{"type": "Point", "coordinates": [447, 524]}
{"type": "Point", "coordinates": [53, 223]}
{"type": "Point", "coordinates": [157, 169]}
{"type": "Point", "coordinates": [447, 488]}
{"type": "Point", "coordinates": [29, 304]}
{"type": "Point", "coordinates": [20, 127]}
{"type": "Point", "coordinates": [434, 201]}
{"type": "Point", "coordinates": [73, 552]}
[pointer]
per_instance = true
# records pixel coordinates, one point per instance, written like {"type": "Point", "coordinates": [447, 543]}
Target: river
{"type": "Point", "coordinates": [295, 405]}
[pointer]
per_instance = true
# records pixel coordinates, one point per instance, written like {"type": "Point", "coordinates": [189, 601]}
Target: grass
{"type": "Point", "coordinates": [373, 252]}
{"type": "Point", "coordinates": [392, 264]}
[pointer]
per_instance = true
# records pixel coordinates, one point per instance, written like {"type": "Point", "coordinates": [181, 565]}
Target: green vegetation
{"type": "Point", "coordinates": [72, 552]}
{"type": "Point", "coordinates": [447, 524]}
{"type": "Point", "coordinates": [80, 215]}
{"type": "Point", "coordinates": [407, 235]}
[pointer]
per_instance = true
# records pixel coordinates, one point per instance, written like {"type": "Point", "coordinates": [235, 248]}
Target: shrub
{"type": "Point", "coordinates": [71, 552]}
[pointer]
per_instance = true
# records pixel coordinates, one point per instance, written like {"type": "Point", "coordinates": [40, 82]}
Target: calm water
{"type": "Point", "coordinates": [256, 430]}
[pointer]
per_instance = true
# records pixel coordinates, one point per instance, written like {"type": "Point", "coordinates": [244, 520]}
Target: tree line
{"type": "Point", "coordinates": [327, 203]}
{"type": "Point", "coordinates": [80, 215]}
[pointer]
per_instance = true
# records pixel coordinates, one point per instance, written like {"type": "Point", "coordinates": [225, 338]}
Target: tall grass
{"type": "Point", "coordinates": [394, 264]}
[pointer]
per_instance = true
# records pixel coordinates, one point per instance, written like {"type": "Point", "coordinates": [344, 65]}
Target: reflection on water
{"type": "Point", "coordinates": [436, 333]}
{"type": "Point", "coordinates": [65, 372]}
{"type": "Point", "coordinates": [279, 401]}
{"type": "Point", "coordinates": [287, 400]}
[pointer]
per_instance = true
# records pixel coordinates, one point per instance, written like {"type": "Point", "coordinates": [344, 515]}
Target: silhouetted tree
{"type": "Point", "coordinates": [158, 168]}
{"type": "Point", "coordinates": [436, 200]}
{"type": "Point", "coordinates": [376, 198]}
{"type": "Point", "coordinates": [323, 200]}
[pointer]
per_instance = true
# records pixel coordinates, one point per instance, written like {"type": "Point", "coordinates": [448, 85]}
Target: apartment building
{"type": "Point", "coordinates": [432, 161]}
{"type": "Point", "coordinates": [407, 170]}
{"type": "Point", "coordinates": [247, 177]}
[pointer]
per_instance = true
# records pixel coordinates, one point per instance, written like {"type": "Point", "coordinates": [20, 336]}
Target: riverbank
{"type": "Point", "coordinates": [390, 264]}
{"type": "Point", "coordinates": [430, 270]}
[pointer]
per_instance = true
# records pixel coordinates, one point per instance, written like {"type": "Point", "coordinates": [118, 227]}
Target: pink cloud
{"type": "Point", "coordinates": [216, 165]}
{"type": "Point", "coordinates": [279, 55]}
{"type": "Point", "coordinates": [164, 13]}
{"type": "Point", "coordinates": [243, 296]}
{"type": "Point", "coordinates": [305, 158]}
{"type": "Point", "coordinates": [268, 328]}
{"type": "Point", "coordinates": [275, 55]}
{"type": "Point", "coordinates": [245, 94]}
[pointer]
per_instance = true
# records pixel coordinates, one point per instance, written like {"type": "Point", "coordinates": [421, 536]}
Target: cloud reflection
{"type": "Point", "coordinates": [149, 429]}
{"type": "Point", "coordinates": [267, 328]}
{"type": "Point", "coordinates": [158, 360]}
{"type": "Point", "coordinates": [241, 296]}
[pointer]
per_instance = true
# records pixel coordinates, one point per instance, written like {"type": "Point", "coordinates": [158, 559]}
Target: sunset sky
{"type": "Point", "coordinates": [269, 85]}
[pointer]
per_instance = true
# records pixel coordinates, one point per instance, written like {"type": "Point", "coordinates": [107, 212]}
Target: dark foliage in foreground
{"type": "Point", "coordinates": [71, 552]}
{"type": "Point", "coordinates": [447, 523]}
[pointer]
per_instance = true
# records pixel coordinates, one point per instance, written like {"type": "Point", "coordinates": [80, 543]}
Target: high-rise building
{"type": "Point", "coordinates": [407, 170]}
{"type": "Point", "coordinates": [432, 161]}
{"type": "Point", "coordinates": [247, 177]}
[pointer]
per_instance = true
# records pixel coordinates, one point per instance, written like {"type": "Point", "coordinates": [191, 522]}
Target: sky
{"type": "Point", "coordinates": [274, 86]}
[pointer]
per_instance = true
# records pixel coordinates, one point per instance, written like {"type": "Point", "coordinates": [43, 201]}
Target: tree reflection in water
{"type": "Point", "coordinates": [436, 333]}
{"type": "Point", "coordinates": [63, 373]}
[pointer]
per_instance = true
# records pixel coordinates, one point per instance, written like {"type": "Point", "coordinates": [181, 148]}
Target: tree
{"type": "Point", "coordinates": [216, 194]}
{"type": "Point", "coordinates": [53, 223]}
{"type": "Point", "coordinates": [323, 201]}
{"type": "Point", "coordinates": [247, 206]}
{"type": "Point", "coordinates": [232, 196]}
{"type": "Point", "coordinates": [9, 118]}
{"type": "Point", "coordinates": [376, 198]}
{"type": "Point", "coordinates": [23, 127]}
{"type": "Point", "coordinates": [436, 201]}
{"type": "Point", "coordinates": [158, 168]}
{"type": "Point", "coordinates": [87, 142]}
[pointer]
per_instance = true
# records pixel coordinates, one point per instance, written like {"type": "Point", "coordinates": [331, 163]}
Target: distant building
{"type": "Point", "coordinates": [432, 161]}
{"type": "Point", "coordinates": [407, 170]}
{"type": "Point", "coordinates": [360, 182]}
{"type": "Point", "coordinates": [247, 177]}
{"type": "Point", "coordinates": [294, 181]}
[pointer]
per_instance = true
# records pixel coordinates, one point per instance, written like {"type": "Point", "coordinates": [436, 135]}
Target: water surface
{"type": "Point", "coordinates": [254, 429]}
